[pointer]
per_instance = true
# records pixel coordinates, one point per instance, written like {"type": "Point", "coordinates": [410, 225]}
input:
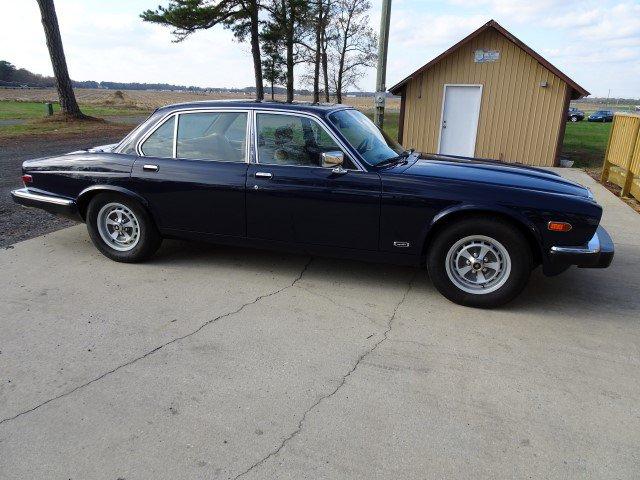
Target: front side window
{"type": "Point", "coordinates": [160, 142]}
{"type": "Point", "coordinates": [374, 145]}
{"type": "Point", "coordinates": [218, 136]}
{"type": "Point", "coordinates": [293, 140]}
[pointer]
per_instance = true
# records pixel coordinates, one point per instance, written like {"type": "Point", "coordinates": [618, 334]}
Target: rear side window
{"type": "Point", "coordinates": [217, 136]}
{"type": "Point", "coordinates": [160, 142]}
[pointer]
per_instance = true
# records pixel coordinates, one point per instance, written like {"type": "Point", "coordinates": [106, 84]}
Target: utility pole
{"type": "Point", "coordinates": [381, 89]}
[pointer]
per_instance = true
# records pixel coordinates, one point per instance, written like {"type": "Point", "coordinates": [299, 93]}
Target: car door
{"type": "Point", "coordinates": [192, 170]}
{"type": "Point", "coordinates": [292, 197]}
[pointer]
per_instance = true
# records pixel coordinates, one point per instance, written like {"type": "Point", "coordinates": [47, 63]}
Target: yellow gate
{"type": "Point", "coordinates": [622, 160]}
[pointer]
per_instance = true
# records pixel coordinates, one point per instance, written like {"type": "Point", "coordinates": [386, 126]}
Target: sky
{"type": "Point", "coordinates": [595, 42]}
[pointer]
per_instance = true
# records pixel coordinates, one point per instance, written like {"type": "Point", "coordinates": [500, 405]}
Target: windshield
{"type": "Point", "coordinates": [372, 144]}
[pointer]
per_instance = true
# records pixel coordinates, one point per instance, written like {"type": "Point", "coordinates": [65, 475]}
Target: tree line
{"type": "Point", "coordinates": [330, 40]}
{"type": "Point", "coordinates": [12, 76]}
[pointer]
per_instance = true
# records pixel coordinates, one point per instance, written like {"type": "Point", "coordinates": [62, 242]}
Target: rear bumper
{"type": "Point", "coordinates": [51, 203]}
{"type": "Point", "coordinates": [597, 253]}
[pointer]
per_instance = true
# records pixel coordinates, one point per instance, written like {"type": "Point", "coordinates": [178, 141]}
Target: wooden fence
{"type": "Point", "coordinates": [622, 160]}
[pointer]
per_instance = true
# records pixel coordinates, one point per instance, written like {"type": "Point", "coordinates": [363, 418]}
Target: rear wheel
{"type": "Point", "coordinates": [121, 228]}
{"type": "Point", "coordinates": [574, 119]}
{"type": "Point", "coordinates": [480, 262]}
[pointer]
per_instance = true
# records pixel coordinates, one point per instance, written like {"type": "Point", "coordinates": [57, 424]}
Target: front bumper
{"type": "Point", "coordinates": [597, 253]}
{"type": "Point", "coordinates": [51, 203]}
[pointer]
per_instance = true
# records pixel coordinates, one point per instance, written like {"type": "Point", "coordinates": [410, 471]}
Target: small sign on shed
{"type": "Point", "coordinates": [484, 56]}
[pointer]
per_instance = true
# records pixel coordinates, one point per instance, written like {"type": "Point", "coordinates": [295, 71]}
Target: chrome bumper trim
{"type": "Point", "coordinates": [25, 193]}
{"type": "Point", "coordinates": [592, 248]}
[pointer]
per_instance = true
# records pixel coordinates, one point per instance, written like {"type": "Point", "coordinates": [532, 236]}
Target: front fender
{"type": "Point", "coordinates": [527, 226]}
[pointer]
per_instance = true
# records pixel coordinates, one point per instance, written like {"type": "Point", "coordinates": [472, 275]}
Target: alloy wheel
{"type": "Point", "coordinates": [478, 264]}
{"type": "Point", "coordinates": [118, 226]}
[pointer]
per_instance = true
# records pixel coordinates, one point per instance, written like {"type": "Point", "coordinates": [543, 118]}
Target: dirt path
{"type": "Point", "coordinates": [16, 222]}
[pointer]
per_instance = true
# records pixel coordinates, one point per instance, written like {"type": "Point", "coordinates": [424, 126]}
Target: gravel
{"type": "Point", "coordinates": [18, 223]}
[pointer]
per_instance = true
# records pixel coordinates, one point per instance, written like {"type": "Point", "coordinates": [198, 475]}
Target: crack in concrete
{"type": "Point", "coordinates": [341, 383]}
{"type": "Point", "coordinates": [342, 305]}
{"type": "Point", "coordinates": [160, 347]}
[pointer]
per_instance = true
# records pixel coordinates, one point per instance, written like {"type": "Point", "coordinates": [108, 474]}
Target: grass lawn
{"type": "Point", "coordinates": [10, 109]}
{"type": "Point", "coordinates": [585, 143]}
{"type": "Point", "coordinates": [54, 128]}
{"type": "Point", "coordinates": [390, 123]}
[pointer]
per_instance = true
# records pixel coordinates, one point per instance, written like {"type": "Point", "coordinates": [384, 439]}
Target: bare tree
{"type": "Point", "coordinates": [314, 43]}
{"type": "Point", "coordinates": [241, 16]}
{"type": "Point", "coordinates": [68, 104]}
{"type": "Point", "coordinates": [317, 54]}
{"type": "Point", "coordinates": [325, 38]}
{"type": "Point", "coordinates": [353, 45]}
{"type": "Point", "coordinates": [288, 21]}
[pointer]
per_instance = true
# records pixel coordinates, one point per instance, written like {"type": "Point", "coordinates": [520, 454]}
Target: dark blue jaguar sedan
{"type": "Point", "coordinates": [321, 179]}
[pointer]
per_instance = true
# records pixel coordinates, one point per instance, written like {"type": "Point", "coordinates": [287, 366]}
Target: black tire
{"type": "Point", "coordinates": [148, 237]}
{"type": "Point", "coordinates": [507, 286]}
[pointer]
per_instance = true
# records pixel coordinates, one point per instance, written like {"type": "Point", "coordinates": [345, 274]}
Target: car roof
{"type": "Point", "coordinates": [322, 108]}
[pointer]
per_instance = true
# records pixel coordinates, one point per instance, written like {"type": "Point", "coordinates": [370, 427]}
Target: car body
{"type": "Point", "coordinates": [601, 116]}
{"type": "Point", "coordinates": [319, 179]}
{"type": "Point", "coordinates": [575, 115]}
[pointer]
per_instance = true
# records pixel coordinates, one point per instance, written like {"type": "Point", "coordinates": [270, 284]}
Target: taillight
{"type": "Point", "coordinates": [27, 179]}
{"type": "Point", "coordinates": [559, 226]}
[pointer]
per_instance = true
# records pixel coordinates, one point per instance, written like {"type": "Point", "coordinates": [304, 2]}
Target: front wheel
{"type": "Point", "coordinates": [121, 228]}
{"type": "Point", "coordinates": [480, 262]}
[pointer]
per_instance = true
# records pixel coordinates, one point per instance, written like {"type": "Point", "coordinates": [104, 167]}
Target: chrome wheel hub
{"type": "Point", "coordinates": [118, 226]}
{"type": "Point", "coordinates": [478, 264]}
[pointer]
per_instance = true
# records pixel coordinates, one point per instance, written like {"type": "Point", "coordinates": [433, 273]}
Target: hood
{"type": "Point", "coordinates": [494, 173]}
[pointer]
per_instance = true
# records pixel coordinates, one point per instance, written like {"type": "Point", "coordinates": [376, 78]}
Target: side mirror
{"type": "Point", "coordinates": [332, 159]}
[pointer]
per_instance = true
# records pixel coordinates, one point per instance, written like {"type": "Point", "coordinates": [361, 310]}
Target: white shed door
{"type": "Point", "coordinates": [460, 113]}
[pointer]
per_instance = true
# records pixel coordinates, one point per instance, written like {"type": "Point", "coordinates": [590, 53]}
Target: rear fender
{"type": "Point", "coordinates": [88, 193]}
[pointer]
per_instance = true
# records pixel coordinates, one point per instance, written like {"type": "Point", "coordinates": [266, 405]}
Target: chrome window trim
{"type": "Point", "coordinates": [311, 116]}
{"type": "Point", "coordinates": [186, 111]}
{"type": "Point", "coordinates": [592, 248]}
{"type": "Point", "coordinates": [176, 121]}
{"type": "Point", "coordinates": [152, 130]}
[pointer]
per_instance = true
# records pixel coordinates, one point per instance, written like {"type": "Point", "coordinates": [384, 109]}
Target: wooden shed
{"type": "Point", "coordinates": [488, 96]}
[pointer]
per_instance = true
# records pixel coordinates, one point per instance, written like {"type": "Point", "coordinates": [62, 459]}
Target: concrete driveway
{"type": "Point", "coordinates": [214, 362]}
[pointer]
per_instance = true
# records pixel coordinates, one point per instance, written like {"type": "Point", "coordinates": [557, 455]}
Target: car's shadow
{"type": "Point", "coordinates": [612, 291]}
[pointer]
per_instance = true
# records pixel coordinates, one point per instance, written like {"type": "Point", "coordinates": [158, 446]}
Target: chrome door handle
{"type": "Point", "coordinates": [264, 175]}
{"type": "Point", "coordinates": [150, 168]}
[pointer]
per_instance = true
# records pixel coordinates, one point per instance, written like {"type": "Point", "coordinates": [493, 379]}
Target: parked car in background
{"type": "Point", "coordinates": [575, 115]}
{"type": "Point", "coordinates": [601, 116]}
{"type": "Point", "coordinates": [325, 181]}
